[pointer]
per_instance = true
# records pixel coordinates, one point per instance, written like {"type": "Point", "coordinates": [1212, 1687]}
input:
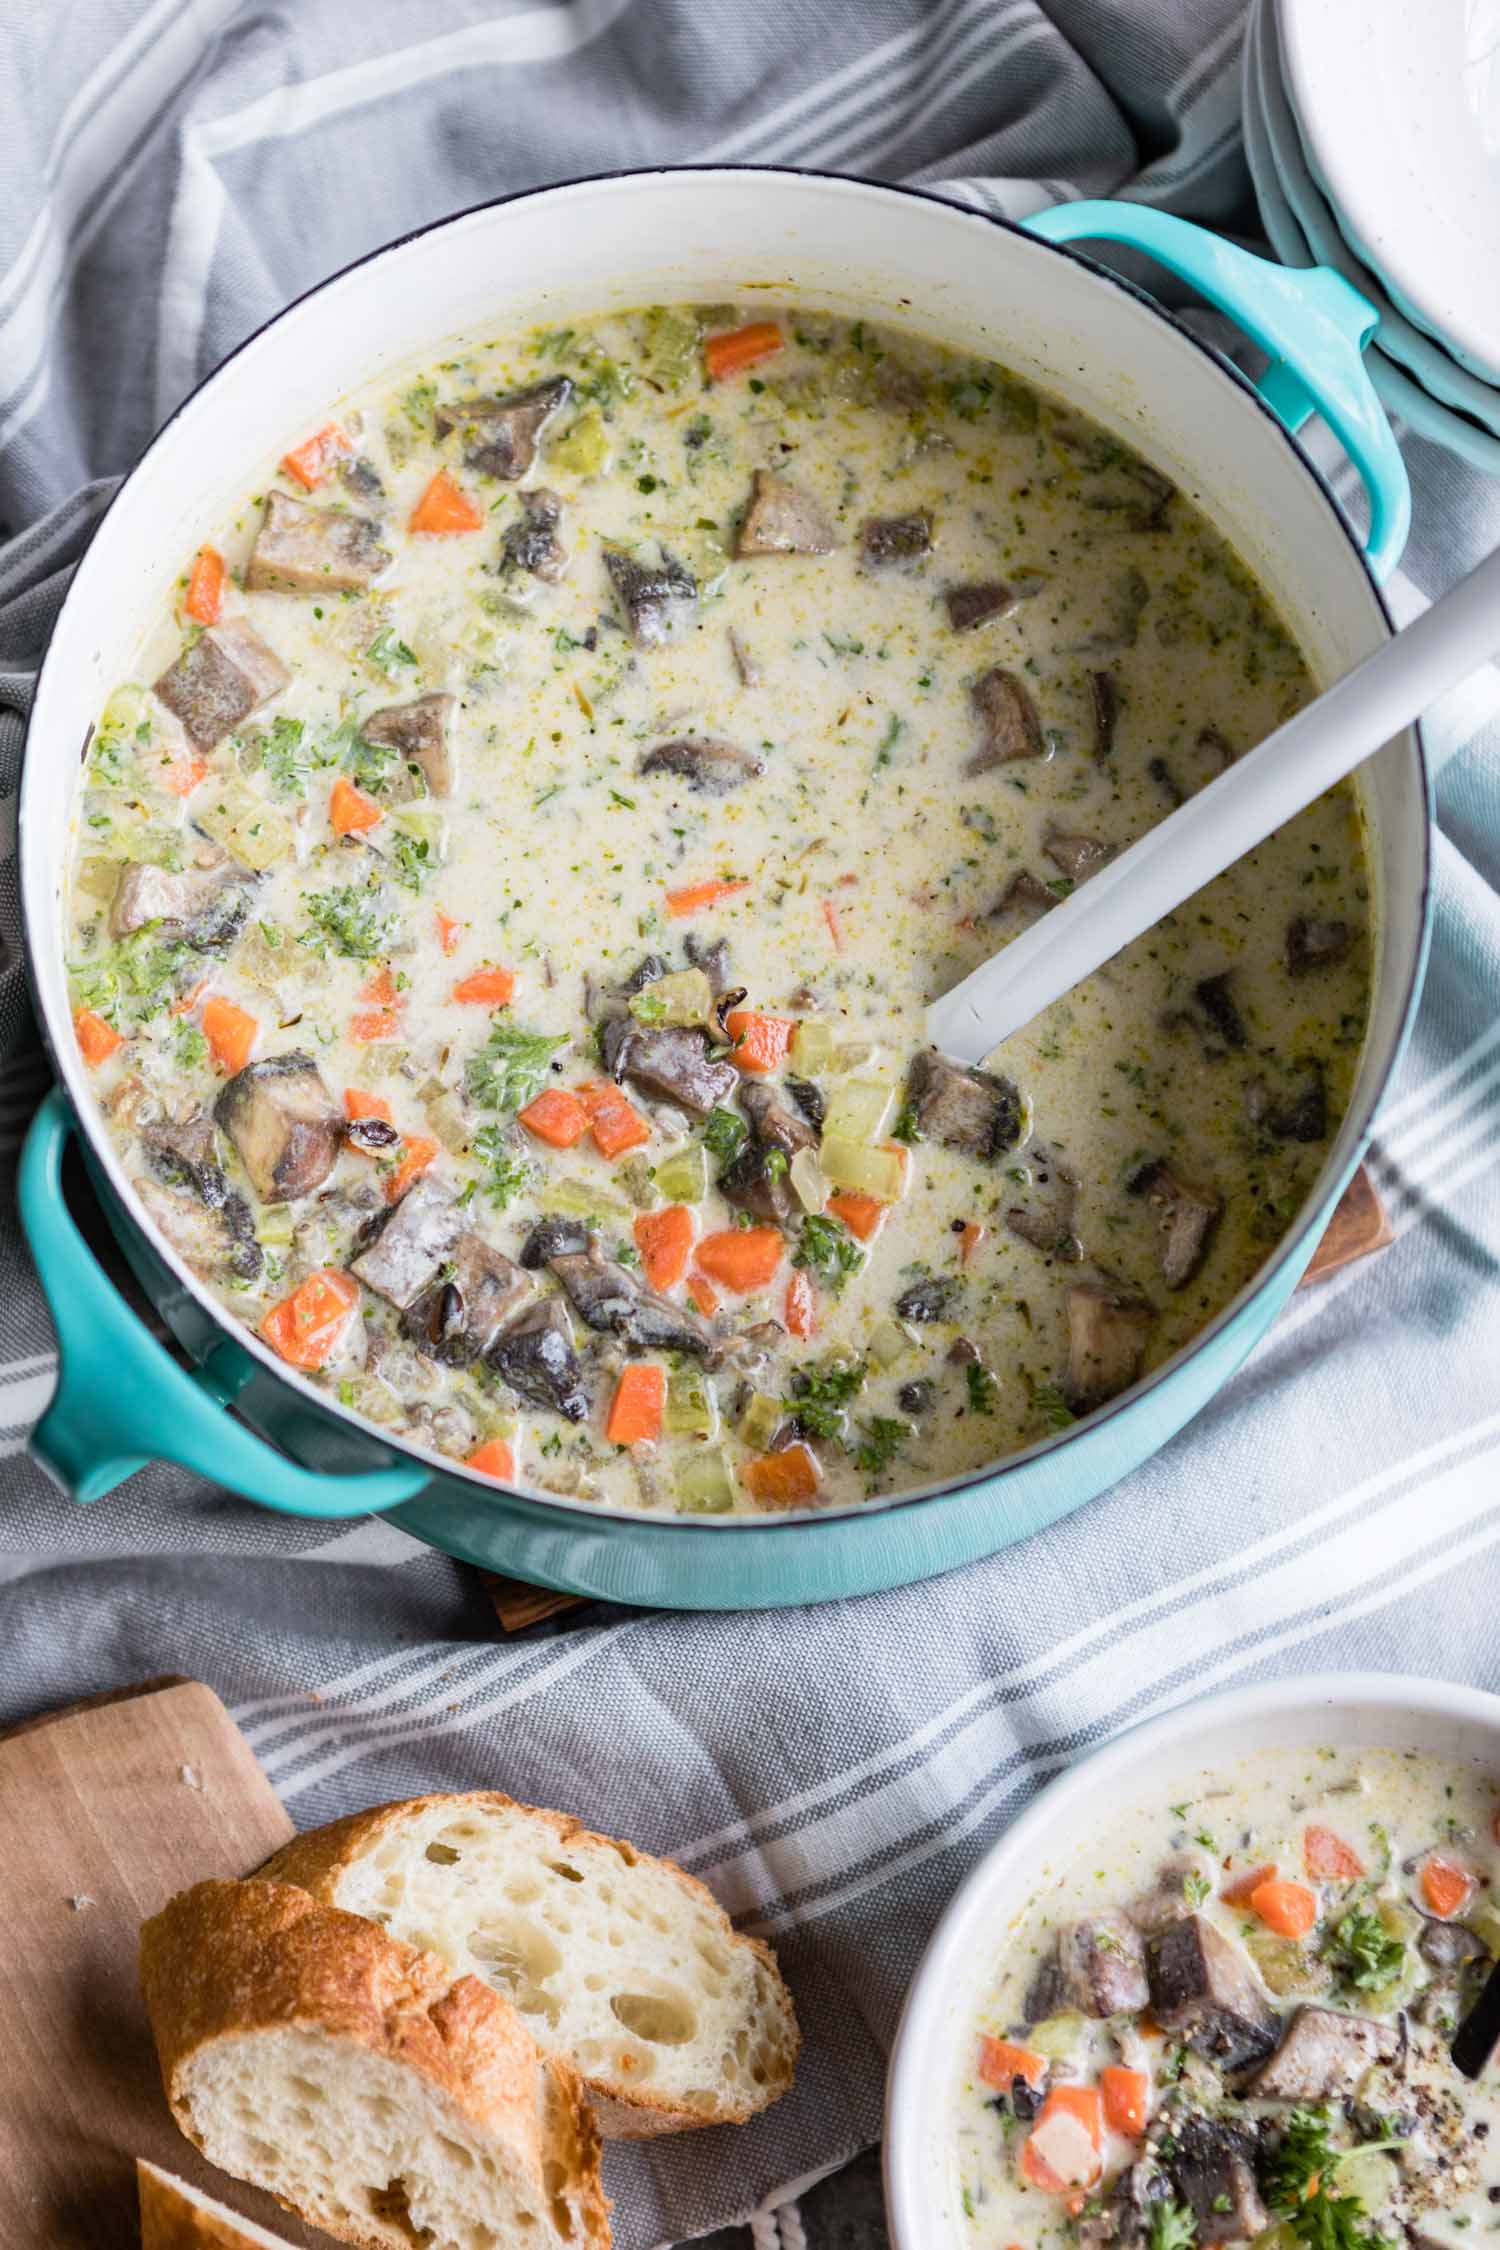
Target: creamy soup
{"type": "Point", "coordinates": [1227, 2019]}
{"type": "Point", "coordinates": [507, 893]}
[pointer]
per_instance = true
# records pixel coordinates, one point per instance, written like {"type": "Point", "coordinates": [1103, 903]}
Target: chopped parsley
{"type": "Point", "coordinates": [506, 1174]}
{"type": "Point", "coordinates": [881, 1439]}
{"type": "Point", "coordinates": [820, 1394]}
{"type": "Point", "coordinates": [981, 1387]}
{"type": "Point", "coordinates": [1170, 2227]}
{"type": "Point", "coordinates": [511, 1065]}
{"type": "Point", "coordinates": [1363, 1952]}
{"type": "Point", "coordinates": [724, 1133]}
{"type": "Point", "coordinates": [353, 919]}
{"type": "Point", "coordinates": [389, 654]}
{"type": "Point", "coordinates": [827, 1248]}
{"type": "Point", "coordinates": [411, 859]}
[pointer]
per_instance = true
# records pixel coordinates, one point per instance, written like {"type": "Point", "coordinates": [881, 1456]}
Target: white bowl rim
{"type": "Point", "coordinates": [912, 2085]}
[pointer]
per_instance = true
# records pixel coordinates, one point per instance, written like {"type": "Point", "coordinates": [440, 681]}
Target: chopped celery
{"type": "Point", "coordinates": [760, 1421]}
{"type": "Point", "coordinates": [1056, 2037]}
{"type": "Point", "coordinates": [889, 1341]}
{"type": "Point", "coordinates": [812, 1048]}
{"type": "Point", "coordinates": [262, 955]}
{"type": "Point", "coordinates": [880, 1172]}
{"type": "Point", "coordinates": [371, 1398]}
{"type": "Point", "coordinates": [450, 1121]}
{"type": "Point", "coordinates": [126, 710]}
{"type": "Point", "coordinates": [684, 997]}
{"type": "Point", "coordinates": [427, 826]}
{"type": "Point", "coordinates": [634, 1176]}
{"type": "Point", "coordinates": [859, 1109]}
{"type": "Point", "coordinates": [672, 345]}
{"type": "Point", "coordinates": [1289, 1969]}
{"type": "Point", "coordinates": [99, 878]}
{"type": "Point", "coordinates": [704, 1485]}
{"type": "Point", "coordinates": [692, 1410]}
{"type": "Point", "coordinates": [584, 447]}
{"type": "Point", "coordinates": [584, 1199]}
{"type": "Point", "coordinates": [1366, 2175]}
{"type": "Point", "coordinates": [682, 1177]}
{"type": "Point", "coordinates": [808, 1183]}
{"type": "Point", "coordinates": [275, 1224]}
{"type": "Point", "coordinates": [247, 825]}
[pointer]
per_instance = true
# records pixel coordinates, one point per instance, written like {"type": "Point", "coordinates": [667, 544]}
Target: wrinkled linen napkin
{"type": "Point", "coordinates": [172, 174]}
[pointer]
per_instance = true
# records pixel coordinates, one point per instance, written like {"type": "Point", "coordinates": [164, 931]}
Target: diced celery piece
{"type": "Point", "coordinates": [493, 1421]}
{"type": "Point", "coordinates": [672, 343]}
{"type": "Point", "coordinates": [682, 1177]}
{"type": "Point", "coordinates": [880, 1172]}
{"type": "Point", "coordinates": [855, 1054]}
{"type": "Point", "coordinates": [371, 1398]}
{"type": "Point", "coordinates": [246, 824]}
{"type": "Point", "coordinates": [1368, 2176]}
{"type": "Point", "coordinates": [692, 1410]}
{"type": "Point", "coordinates": [684, 997]}
{"type": "Point", "coordinates": [99, 878]}
{"type": "Point", "coordinates": [890, 1341]}
{"type": "Point", "coordinates": [260, 959]}
{"type": "Point", "coordinates": [859, 1109]}
{"type": "Point", "coordinates": [584, 446]}
{"type": "Point", "coordinates": [275, 1224]}
{"type": "Point", "coordinates": [634, 1176]}
{"type": "Point", "coordinates": [1398, 1918]}
{"type": "Point", "coordinates": [583, 1199]}
{"type": "Point", "coordinates": [1280, 2235]}
{"type": "Point", "coordinates": [450, 1121]}
{"type": "Point", "coordinates": [760, 1421]}
{"type": "Point", "coordinates": [1484, 1921]}
{"type": "Point", "coordinates": [1288, 1969]}
{"type": "Point", "coordinates": [1056, 2037]}
{"type": "Point", "coordinates": [811, 1050]}
{"type": "Point", "coordinates": [705, 1486]}
{"type": "Point", "coordinates": [808, 1183]}
{"type": "Point", "coordinates": [429, 828]}
{"type": "Point", "coordinates": [126, 709]}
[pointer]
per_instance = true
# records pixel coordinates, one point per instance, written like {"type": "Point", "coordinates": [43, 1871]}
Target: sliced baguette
{"type": "Point", "coordinates": [176, 2216]}
{"type": "Point", "coordinates": [621, 1963]}
{"type": "Point", "coordinates": [371, 2092]}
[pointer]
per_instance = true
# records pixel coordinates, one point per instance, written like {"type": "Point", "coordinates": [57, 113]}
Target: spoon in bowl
{"type": "Point", "coordinates": [1348, 723]}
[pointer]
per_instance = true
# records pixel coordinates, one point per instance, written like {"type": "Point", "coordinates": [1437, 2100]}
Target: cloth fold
{"type": "Point", "coordinates": [173, 173]}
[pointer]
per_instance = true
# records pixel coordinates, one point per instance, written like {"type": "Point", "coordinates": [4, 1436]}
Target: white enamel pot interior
{"type": "Point", "coordinates": [1338, 1710]}
{"type": "Point", "coordinates": [697, 236]}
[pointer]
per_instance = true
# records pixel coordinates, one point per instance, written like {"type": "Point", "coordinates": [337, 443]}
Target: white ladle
{"type": "Point", "coordinates": [1236, 811]}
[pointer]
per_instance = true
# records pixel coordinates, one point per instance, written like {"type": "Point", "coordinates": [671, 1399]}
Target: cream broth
{"type": "Point", "coordinates": [654, 725]}
{"type": "Point", "coordinates": [1357, 1887]}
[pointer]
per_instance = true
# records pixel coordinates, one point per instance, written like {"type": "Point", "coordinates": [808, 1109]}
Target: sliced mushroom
{"type": "Point", "coordinates": [553, 1238]}
{"type": "Point", "coordinates": [782, 519]}
{"type": "Point", "coordinates": [1025, 898]}
{"type": "Point", "coordinates": [185, 1155]}
{"type": "Point", "coordinates": [1104, 700]}
{"type": "Point", "coordinates": [1314, 944]}
{"type": "Point", "coordinates": [406, 1248]}
{"type": "Point", "coordinates": [976, 604]}
{"type": "Point", "coordinates": [1008, 721]}
{"type": "Point", "coordinates": [1212, 2167]}
{"type": "Point", "coordinates": [711, 955]}
{"type": "Point", "coordinates": [1217, 1002]}
{"type": "Point", "coordinates": [758, 1180]}
{"type": "Point", "coordinates": [227, 673]}
{"type": "Point", "coordinates": [1323, 2055]}
{"type": "Point", "coordinates": [1046, 1222]}
{"type": "Point", "coordinates": [608, 1298]}
{"type": "Point", "coordinates": [361, 477]}
{"type": "Point", "coordinates": [671, 1061]}
{"type": "Point", "coordinates": [205, 908]}
{"type": "Point", "coordinates": [1302, 1116]}
{"type": "Point", "coordinates": [1187, 1216]}
{"type": "Point", "coordinates": [1078, 856]}
{"type": "Point", "coordinates": [932, 1299]}
{"type": "Point", "coordinates": [706, 764]}
{"type": "Point", "coordinates": [1204, 1991]}
{"type": "Point", "coordinates": [659, 599]}
{"type": "Point", "coordinates": [478, 1290]}
{"type": "Point", "coordinates": [974, 1111]}
{"type": "Point", "coordinates": [283, 1123]}
{"type": "Point", "coordinates": [531, 543]}
{"type": "Point", "coordinates": [500, 435]}
{"type": "Point", "coordinates": [1108, 1330]}
{"type": "Point", "coordinates": [535, 1355]}
{"type": "Point", "coordinates": [418, 733]}
{"type": "Point", "coordinates": [1166, 781]}
{"type": "Point", "coordinates": [300, 549]}
{"type": "Point", "coordinates": [217, 1240]}
{"type": "Point", "coordinates": [896, 542]}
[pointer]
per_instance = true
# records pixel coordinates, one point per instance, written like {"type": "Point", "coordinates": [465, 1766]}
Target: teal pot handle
{"type": "Point", "coordinates": [122, 1400]}
{"type": "Point", "coordinates": [1310, 323]}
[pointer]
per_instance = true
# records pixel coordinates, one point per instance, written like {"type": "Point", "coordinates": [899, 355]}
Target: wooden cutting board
{"type": "Point", "coordinates": [106, 1809]}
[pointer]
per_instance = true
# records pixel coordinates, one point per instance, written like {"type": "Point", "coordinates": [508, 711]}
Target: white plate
{"type": "Point", "coordinates": [1399, 104]}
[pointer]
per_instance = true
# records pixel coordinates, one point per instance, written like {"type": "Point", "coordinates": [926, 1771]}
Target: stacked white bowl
{"type": "Point", "coordinates": [1373, 138]}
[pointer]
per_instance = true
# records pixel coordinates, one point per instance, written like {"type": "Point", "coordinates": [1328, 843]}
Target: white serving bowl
{"type": "Point", "coordinates": [1340, 1710]}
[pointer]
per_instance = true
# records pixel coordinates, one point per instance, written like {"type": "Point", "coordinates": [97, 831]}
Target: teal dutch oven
{"type": "Point", "coordinates": [1021, 295]}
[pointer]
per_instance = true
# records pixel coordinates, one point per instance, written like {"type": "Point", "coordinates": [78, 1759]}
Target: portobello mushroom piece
{"type": "Point", "coordinates": [1213, 996]}
{"type": "Point", "coordinates": [711, 955]}
{"type": "Point", "coordinates": [1205, 1992]}
{"type": "Point", "coordinates": [228, 672]}
{"type": "Point", "coordinates": [1212, 2166]}
{"type": "Point", "coordinates": [1187, 1216]}
{"type": "Point", "coordinates": [1123, 2220]}
{"type": "Point", "coordinates": [1323, 2055]}
{"type": "Point", "coordinates": [675, 1062]}
{"type": "Point", "coordinates": [609, 1299]}
{"type": "Point", "coordinates": [535, 1355]}
{"type": "Point", "coordinates": [809, 1099]}
{"type": "Point", "coordinates": [918, 1396]}
{"type": "Point", "coordinates": [205, 908]}
{"type": "Point", "coordinates": [1312, 943]}
{"type": "Point", "coordinates": [406, 1248]}
{"type": "Point", "coordinates": [781, 519]}
{"type": "Point", "coordinates": [1168, 1900]}
{"type": "Point", "coordinates": [300, 549]}
{"type": "Point", "coordinates": [1008, 722]}
{"type": "Point", "coordinates": [1303, 1116]}
{"type": "Point", "coordinates": [283, 1123]}
{"type": "Point", "coordinates": [1104, 700]}
{"type": "Point", "coordinates": [216, 1240]}
{"type": "Point", "coordinates": [932, 1299]}
{"type": "Point", "coordinates": [1167, 782]}
{"type": "Point", "coordinates": [710, 766]}
{"type": "Point", "coordinates": [477, 1292]}
{"type": "Point", "coordinates": [418, 733]}
{"type": "Point", "coordinates": [976, 604]}
{"type": "Point", "coordinates": [500, 435]}
{"type": "Point", "coordinates": [1079, 857]}
{"type": "Point", "coordinates": [553, 1238]}
{"type": "Point", "coordinates": [1108, 1330]}
{"type": "Point", "coordinates": [659, 599]}
{"type": "Point", "coordinates": [1101, 1965]}
{"type": "Point", "coordinates": [361, 477]}
{"type": "Point", "coordinates": [758, 1180]}
{"type": "Point", "coordinates": [896, 542]}
{"type": "Point", "coordinates": [974, 1111]}
{"type": "Point", "coordinates": [186, 1155]}
{"type": "Point", "coordinates": [531, 544]}
{"type": "Point", "coordinates": [1449, 1946]}
{"type": "Point", "coordinates": [1026, 898]}
{"type": "Point", "coordinates": [1047, 1221]}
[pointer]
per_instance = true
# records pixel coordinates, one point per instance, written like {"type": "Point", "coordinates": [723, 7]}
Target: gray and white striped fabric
{"type": "Point", "coordinates": [170, 175]}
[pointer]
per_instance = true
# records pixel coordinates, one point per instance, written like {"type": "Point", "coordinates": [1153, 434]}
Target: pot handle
{"type": "Point", "coordinates": [123, 1401]}
{"type": "Point", "coordinates": [1311, 323]}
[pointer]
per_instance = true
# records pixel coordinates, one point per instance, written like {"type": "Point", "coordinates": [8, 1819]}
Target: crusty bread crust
{"type": "Point", "coordinates": [175, 2216]}
{"type": "Point", "coordinates": [317, 1862]}
{"type": "Point", "coordinates": [226, 1958]}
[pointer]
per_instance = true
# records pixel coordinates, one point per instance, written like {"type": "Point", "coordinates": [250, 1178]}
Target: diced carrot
{"type": "Point", "coordinates": [493, 1459]}
{"type": "Point", "coordinates": [969, 1240]}
{"type": "Point", "coordinates": [696, 896]}
{"type": "Point", "coordinates": [1126, 2094]}
{"type": "Point", "coordinates": [782, 1479]}
{"type": "Point", "coordinates": [741, 1258]}
{"type": "Point", "coordinates": [417, 1152]}
{"type": "Point", "coordinates": [350, 811]}
{"type": "Point", "coordinates": [1328, 1859]}
{"type": "Point", "coordinates": [703, 1294]}
{"type": "Point", "coordinates": [205, 587]}
{"type": "Point", "coordinates": [306, 1327]}
{"type": "Point", "coordinates": [97, 1040]}
{"type": "Point", "coordinates": [556, 1117]}
{"type": "Point", "coordinates": [760, 1042]}
{"type": "Point", "coordinates": [616, 1124]}
{"type": "Point", "coordinates": [1240, 1889]}
{"type": "Point", "coordinates": [230, 1032]}
{"type": "Point", "coordinates": [863, 1215]}
{"type": "Point", "coordinates": [449, 931]}
{"type": "Point", "coordinates": [1445, 1887]}
{"type": "Point", "coordinates": [665, 1242]}
{"type": "Point", "coordinates": [357, 1103]}
{"type": "Point", "coordinates": [1061, 2152]}
{"type": "Point", "coordinates": [312, 462]}
{"type": "Point", "coordinates": [635, 1411]}
{"type": "Point", "coordinates": [375, 1024]}
{"type": "Point", "coordinates": [487, 988]}
{"type": "Point", "coordinates": [831, 917]}
{"type": "Point", "coordinates": [181, 776]}
{"type": "Point", "coordinates": [445, 507]}
{"type": "Point", "coordinates": [379, 987]}
{"type": "Point", "coordinates": [1290, 1909]}
{"type": "Point", "coordinates": [738, 348]}
{"type": "Point", "coordinates": [1002, 2062]}
{"type": "Point", "coordinates": [801, 1314]}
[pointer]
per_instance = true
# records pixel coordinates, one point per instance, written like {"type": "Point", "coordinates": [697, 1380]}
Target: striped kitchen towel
{"type": "Point", "coordinates": [172, 171]}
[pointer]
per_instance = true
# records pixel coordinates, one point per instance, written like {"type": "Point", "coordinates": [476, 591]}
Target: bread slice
{"type": "Point", "coordinates": [175, 2216]}
{"type": "Point", "coordinates": [371, 2092]}
{"type": "Point", "coordinates": [621, 1963]}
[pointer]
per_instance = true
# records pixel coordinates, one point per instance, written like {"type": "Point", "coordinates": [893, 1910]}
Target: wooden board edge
{"type": "Point", "coordinates": [99, 1702]}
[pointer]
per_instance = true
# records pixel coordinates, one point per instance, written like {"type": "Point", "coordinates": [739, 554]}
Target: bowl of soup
{"type": "Point", "coordinates": [520, 755]}
{"type": "Point", "coordinates": [1204, 1989]}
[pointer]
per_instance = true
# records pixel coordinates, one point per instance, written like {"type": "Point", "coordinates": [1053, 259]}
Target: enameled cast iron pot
{"type": "Point", "coordinates": [964, 279]}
